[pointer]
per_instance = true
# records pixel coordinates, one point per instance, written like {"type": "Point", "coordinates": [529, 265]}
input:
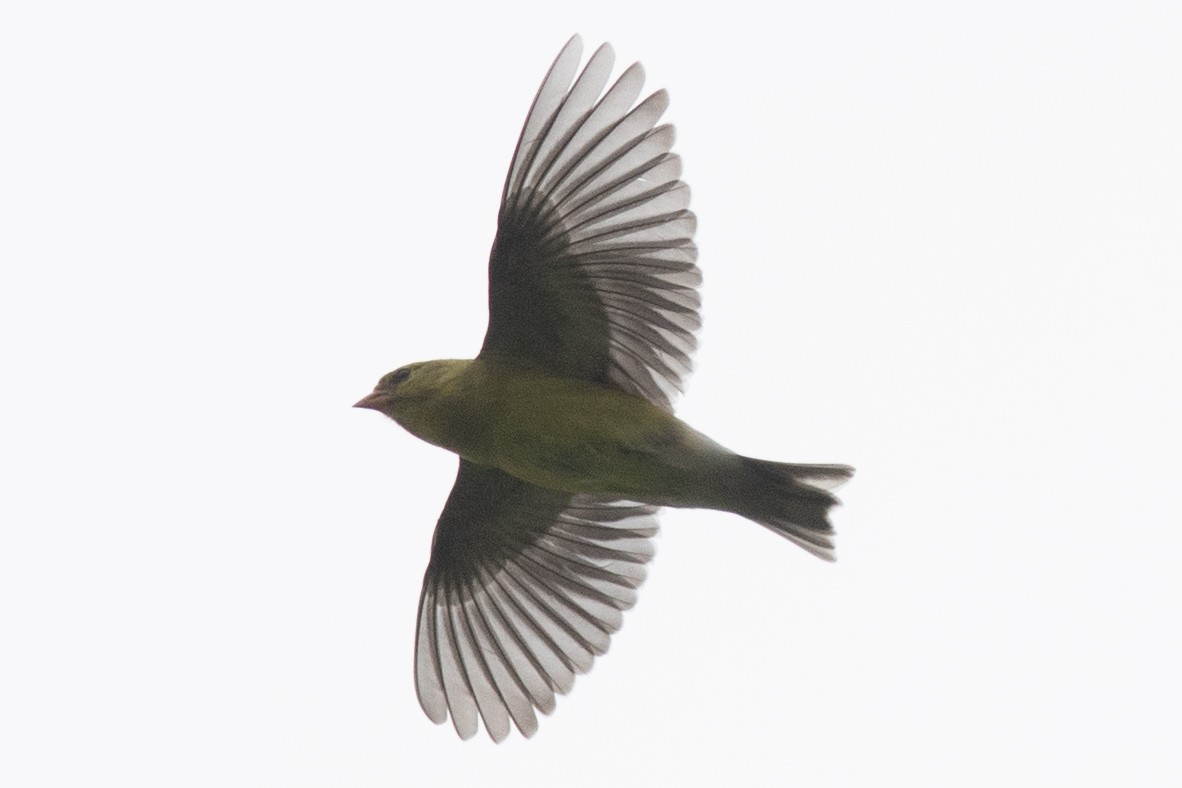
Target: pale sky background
{"type": "Point", "coordinates": [940, 242]}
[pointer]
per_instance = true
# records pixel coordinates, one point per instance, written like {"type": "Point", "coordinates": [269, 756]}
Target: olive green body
{"type": "Point", "coordinates": [564, 434]}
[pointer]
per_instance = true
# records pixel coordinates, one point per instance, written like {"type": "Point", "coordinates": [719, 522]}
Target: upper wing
{"type": "Point", "coordinates": [592, 273]}
{"type": "Point", "coordinates": [524, 589]}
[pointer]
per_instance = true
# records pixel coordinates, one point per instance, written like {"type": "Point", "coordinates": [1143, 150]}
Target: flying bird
{"type": "Point", "coordinates": [564, 421]}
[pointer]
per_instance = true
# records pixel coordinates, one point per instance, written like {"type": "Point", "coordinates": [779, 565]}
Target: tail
{"type": "Point", "coordinates": [793, 500]}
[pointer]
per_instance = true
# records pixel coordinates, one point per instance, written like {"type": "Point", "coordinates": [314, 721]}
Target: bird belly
{"type": "Point", "coordinates": [649, 457]}
{"type": "Point", "coordinates": [580, 437]}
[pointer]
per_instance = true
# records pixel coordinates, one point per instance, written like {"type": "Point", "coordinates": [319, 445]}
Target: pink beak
{"type": "Point", "coordinates": [375, 400]}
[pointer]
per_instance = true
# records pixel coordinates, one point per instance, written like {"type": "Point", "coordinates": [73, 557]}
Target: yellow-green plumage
{"type": "Point", "coordinates": [564, 421]}
{"type": "Point", "coordinates": [560, 433]}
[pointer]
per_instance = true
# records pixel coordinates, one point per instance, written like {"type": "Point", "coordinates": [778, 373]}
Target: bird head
{"type": "Point", "coordinates": [417, 396]}
{"type": "Point", "coordinates": [394, 390]}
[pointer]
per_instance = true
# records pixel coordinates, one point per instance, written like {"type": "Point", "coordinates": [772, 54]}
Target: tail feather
{"type": "Point", "coordinates": [794, 501]}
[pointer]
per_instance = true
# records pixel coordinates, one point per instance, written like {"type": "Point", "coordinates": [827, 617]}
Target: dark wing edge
{"type": "Point", "coordinates": [524, 589]}
{"type": "Point", "coordinates": [593, 272]}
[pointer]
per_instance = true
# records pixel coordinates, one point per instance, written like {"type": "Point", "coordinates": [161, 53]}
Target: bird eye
{"type": "Point", "coordinates": [395, 377]}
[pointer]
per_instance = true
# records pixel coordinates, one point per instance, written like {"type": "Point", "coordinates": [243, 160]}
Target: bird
{"type": "Point", "coordinates": [564, 421]}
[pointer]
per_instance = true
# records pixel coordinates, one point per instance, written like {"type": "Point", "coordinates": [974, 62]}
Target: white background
{"type": "Point", "coordinates": [941, 243]}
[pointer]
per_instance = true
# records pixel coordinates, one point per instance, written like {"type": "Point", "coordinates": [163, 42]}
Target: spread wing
{"type": "Point", "coordinates": [592, 273]}
{"type": "Point", "coordinates": [524, 589]}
